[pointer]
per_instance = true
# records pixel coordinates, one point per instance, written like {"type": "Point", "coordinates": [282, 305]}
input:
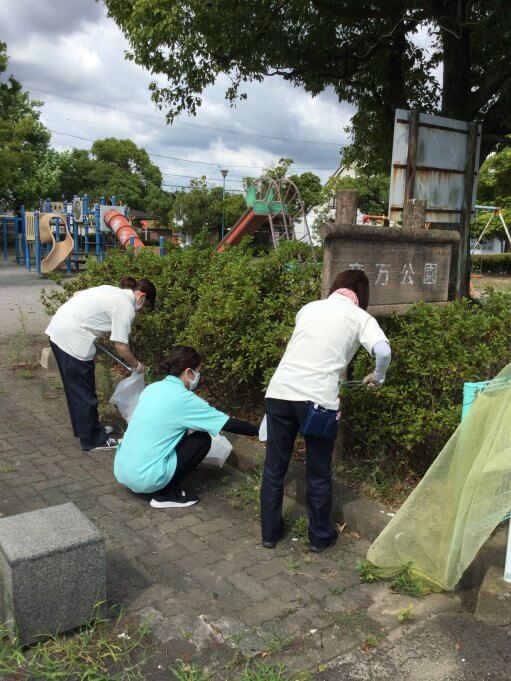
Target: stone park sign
{"type": "Point", "coordinates": [404, 264]}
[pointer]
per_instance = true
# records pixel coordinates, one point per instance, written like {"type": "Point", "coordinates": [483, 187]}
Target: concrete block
{"type": "Point", "coordinates": [52, 570]}
{"type": "Point", "coordinates": [494, 600]}
{"type": "Point", "coordinates": [48, 360]}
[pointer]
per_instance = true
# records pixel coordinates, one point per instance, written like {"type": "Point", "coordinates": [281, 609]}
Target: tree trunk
{"type": "Point", "coordinates": [455, 35]}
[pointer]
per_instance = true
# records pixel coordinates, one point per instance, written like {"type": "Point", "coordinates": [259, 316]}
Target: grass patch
{"type": "Point", "coordinates": [292, 565]}
{"type": "Point", "coordinates": [261, 672]}
{"type": "Point", "coordinates": [367, 572]}
{"type": "Point", "coordinates": [254, 671]}
{"type": "Point", "coordinates": [20, 354]}
{"type": "Point", "coordinates": [276, 643]}
{"type": "Point", "coordinates": [406, 614]}
{"type": "Point", "coordinates": [358, 622]}
{"type": "Point", "coordinates": [245, 496]}
{"type": "Point", "coordinates": [370, 642]}
{"type": "Point", "coordinates": [336, 590]}
{"type": "Point", "coordinates": [407, 584]}
{"type": "Point", "coordinates": [190, 672]}
{"type": "Point", "coordinates": [300, 529]}
{"type": "Point", "coordinates": [101, 649]}
{"type": "Point", "coordinates": [381, 478]}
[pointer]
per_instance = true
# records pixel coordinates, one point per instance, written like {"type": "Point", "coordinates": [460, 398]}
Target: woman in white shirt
{"type": "Point", "coordinates": [326, 337]}
{"type": "Point", "coordinates": [73, 330]}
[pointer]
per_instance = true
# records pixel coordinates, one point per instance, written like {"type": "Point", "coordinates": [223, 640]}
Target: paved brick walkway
{"type": "Point", "coordinates": [213, 592]}
{"type": "Point", "coordinates": [214, 596]}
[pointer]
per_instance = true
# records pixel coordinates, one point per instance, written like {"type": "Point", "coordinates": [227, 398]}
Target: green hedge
{"type": "Point", "coordinates": [238, 310]}
{"type": "Point", "coordinates": [495, 264]}
{"type": "Point", "coordinates": [434, 351]}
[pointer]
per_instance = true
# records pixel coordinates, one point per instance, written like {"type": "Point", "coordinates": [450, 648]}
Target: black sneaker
{"type": "Point", "coordinates": [319, 549]}
{"type": "Point", "coordinates": [174, 499]}
{"type": "Point", "coordinates": [272, 544]}
{"type": "Point", "coordinates": [111, 443]}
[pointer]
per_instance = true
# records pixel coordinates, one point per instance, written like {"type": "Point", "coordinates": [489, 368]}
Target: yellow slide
{"type": "Point", "coordinates": [61, 250]}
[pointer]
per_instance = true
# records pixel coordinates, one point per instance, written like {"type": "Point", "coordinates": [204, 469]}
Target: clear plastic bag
{"type": "Point", "coordinates": [263, 430]}
{"type": "Point", "coordinates": [127, 393]}
{"type": "Point", "coordinates": [218, 452]}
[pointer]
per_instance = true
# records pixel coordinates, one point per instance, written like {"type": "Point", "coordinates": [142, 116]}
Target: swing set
{"type": "Point", "coordinates": [495, 212]}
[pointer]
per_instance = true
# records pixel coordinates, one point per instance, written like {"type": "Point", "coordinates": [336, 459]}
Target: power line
{"type": "Point", "coordinates": [192, 125]}
{"type": "Point", "coordinates": [175, 158]}
{"type": "Point", "coordinates": [196, 177]}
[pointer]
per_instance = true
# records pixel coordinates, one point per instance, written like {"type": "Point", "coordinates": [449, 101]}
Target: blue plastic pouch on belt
{"type": "Point", "coordinates": [320, 422]}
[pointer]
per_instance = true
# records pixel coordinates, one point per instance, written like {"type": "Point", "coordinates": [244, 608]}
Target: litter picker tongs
{"type": "Point", "coordinates": [114, 357]}
{"type": "Point", "coordinates": [352, 384]}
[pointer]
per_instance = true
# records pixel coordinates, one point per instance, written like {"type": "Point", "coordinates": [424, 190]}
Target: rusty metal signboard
{"type": "Point", "coordinates": [403, 265]}
{"type": "Point", "coordinates": [436, 159]}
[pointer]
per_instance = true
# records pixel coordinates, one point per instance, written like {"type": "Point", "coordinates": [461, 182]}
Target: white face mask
{"type": "Point", "coordinates": [194, 382]}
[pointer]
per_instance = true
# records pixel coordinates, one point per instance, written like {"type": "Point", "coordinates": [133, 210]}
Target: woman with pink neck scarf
{"type": "Point", "coordinates": [303, 396]}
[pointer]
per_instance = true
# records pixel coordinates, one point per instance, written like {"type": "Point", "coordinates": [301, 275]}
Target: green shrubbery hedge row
{"type": "Point", "coordinates": [494, 264]}
{"type": "Point", "coordinates": [238, 310]}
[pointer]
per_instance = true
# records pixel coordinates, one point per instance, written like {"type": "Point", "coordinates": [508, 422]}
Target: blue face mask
{"type": "Point", "coordinates": [194, 382]}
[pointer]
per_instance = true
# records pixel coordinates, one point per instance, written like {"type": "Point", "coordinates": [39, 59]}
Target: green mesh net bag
{"type": "Point", "coordinates": [464, 495]}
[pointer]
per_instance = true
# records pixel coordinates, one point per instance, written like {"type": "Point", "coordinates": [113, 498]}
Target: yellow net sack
{"type": "Point", "coordinates": [464, 495]}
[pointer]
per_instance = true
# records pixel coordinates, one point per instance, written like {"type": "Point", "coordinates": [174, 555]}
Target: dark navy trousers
{"type": "Point", "coordinates": [79, 381]}
{"type": "Point", "coordinates": [284, 418]}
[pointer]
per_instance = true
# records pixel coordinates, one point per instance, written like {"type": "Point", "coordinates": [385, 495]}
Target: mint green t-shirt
{"type": "Point", "coordinates": [146, 458]}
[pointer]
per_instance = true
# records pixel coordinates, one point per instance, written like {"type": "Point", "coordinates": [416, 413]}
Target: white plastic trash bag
{"type": "Point", "coordinates": [218, 452]}
{"type": "Point", "coordinates": [263, 430]}
{"type": "Point", "coordinates": [127, 393]}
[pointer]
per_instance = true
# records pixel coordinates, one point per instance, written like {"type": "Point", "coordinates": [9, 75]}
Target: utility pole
{"type": "Point", "coordinates": [224, 174]}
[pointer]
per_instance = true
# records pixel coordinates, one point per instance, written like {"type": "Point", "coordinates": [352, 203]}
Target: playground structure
{"type": "Point", "coordinates": [276, 202]}
{"type": "Point", "coordinates": [64, 234]}
{"type": "Point", "coordinates": [495, 212]}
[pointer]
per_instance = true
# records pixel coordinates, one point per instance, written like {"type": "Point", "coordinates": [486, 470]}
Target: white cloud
{"type": "Point", "coordinates": [73, 49]}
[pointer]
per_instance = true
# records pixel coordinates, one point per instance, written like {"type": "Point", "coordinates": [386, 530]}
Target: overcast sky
{"type": "Point", "coordinates": [70, 48]}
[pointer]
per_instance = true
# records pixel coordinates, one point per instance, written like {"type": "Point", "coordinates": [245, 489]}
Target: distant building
{"type": "Point", "coordinates": [491, 246]}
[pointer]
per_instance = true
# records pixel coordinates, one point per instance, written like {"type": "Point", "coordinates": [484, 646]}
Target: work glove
{"type": "Point", "coordinates": [371, 381]}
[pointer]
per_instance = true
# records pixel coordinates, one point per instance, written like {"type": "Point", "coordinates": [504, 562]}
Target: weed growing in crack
{"type": "Point", "coordinates": [292, 565]}
{"type": "Point", "coordinates": [406, 614]}
{"type": "Point", "coordinates": [300, 529]}
{"type": "Point", "coordinates": [190, 672]}
{"type": "Point", "coordinates": [370, 642]}
{"type": "Point", "coordinates": [408, 585]}
{"type": "Point", "coordinates": [336, 590]}
{"type": "Point", "coordinates": [367, 572]}
{"type": "Point", "coordinates": [245, 496]}
{"type": "Point", "coordinates": [276, 643]}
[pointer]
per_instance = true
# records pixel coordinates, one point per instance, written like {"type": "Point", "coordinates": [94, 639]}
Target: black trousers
{"type": "Point", "coordinates": [79, 383]}
{"type": "Point", "coordinates": [190, 452]}
{"type": "Point", "coordinates": [284, 418]}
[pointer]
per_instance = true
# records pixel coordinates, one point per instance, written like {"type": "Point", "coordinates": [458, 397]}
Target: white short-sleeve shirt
{"type": "Point", "coordinates": [326, 336]}
{"type": "Point", "coordinates": [89, 314]}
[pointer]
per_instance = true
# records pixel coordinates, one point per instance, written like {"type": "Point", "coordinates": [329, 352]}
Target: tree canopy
{"type": "Point", "coordinates": [494, 189]}
{"type": "Point", "coordinates": [24, 141]}
{"type": "Point", "coordinates": [112, 167]}
{"type": "Point", "coordinates": [200, 208]}
{"type": "Point", "coordinates": [369, 51]}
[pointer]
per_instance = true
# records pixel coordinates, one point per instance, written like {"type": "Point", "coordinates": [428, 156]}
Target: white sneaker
{"type": "Point", "coordinates": [111, 443]}
{"type": "Point", "coordinates": [108, 430]}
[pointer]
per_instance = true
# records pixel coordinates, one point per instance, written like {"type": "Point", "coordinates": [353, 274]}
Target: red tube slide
{"type": "Point", "coordinates": [122, 229]}
{"type": "Point", "coordinates": [248, 223]}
